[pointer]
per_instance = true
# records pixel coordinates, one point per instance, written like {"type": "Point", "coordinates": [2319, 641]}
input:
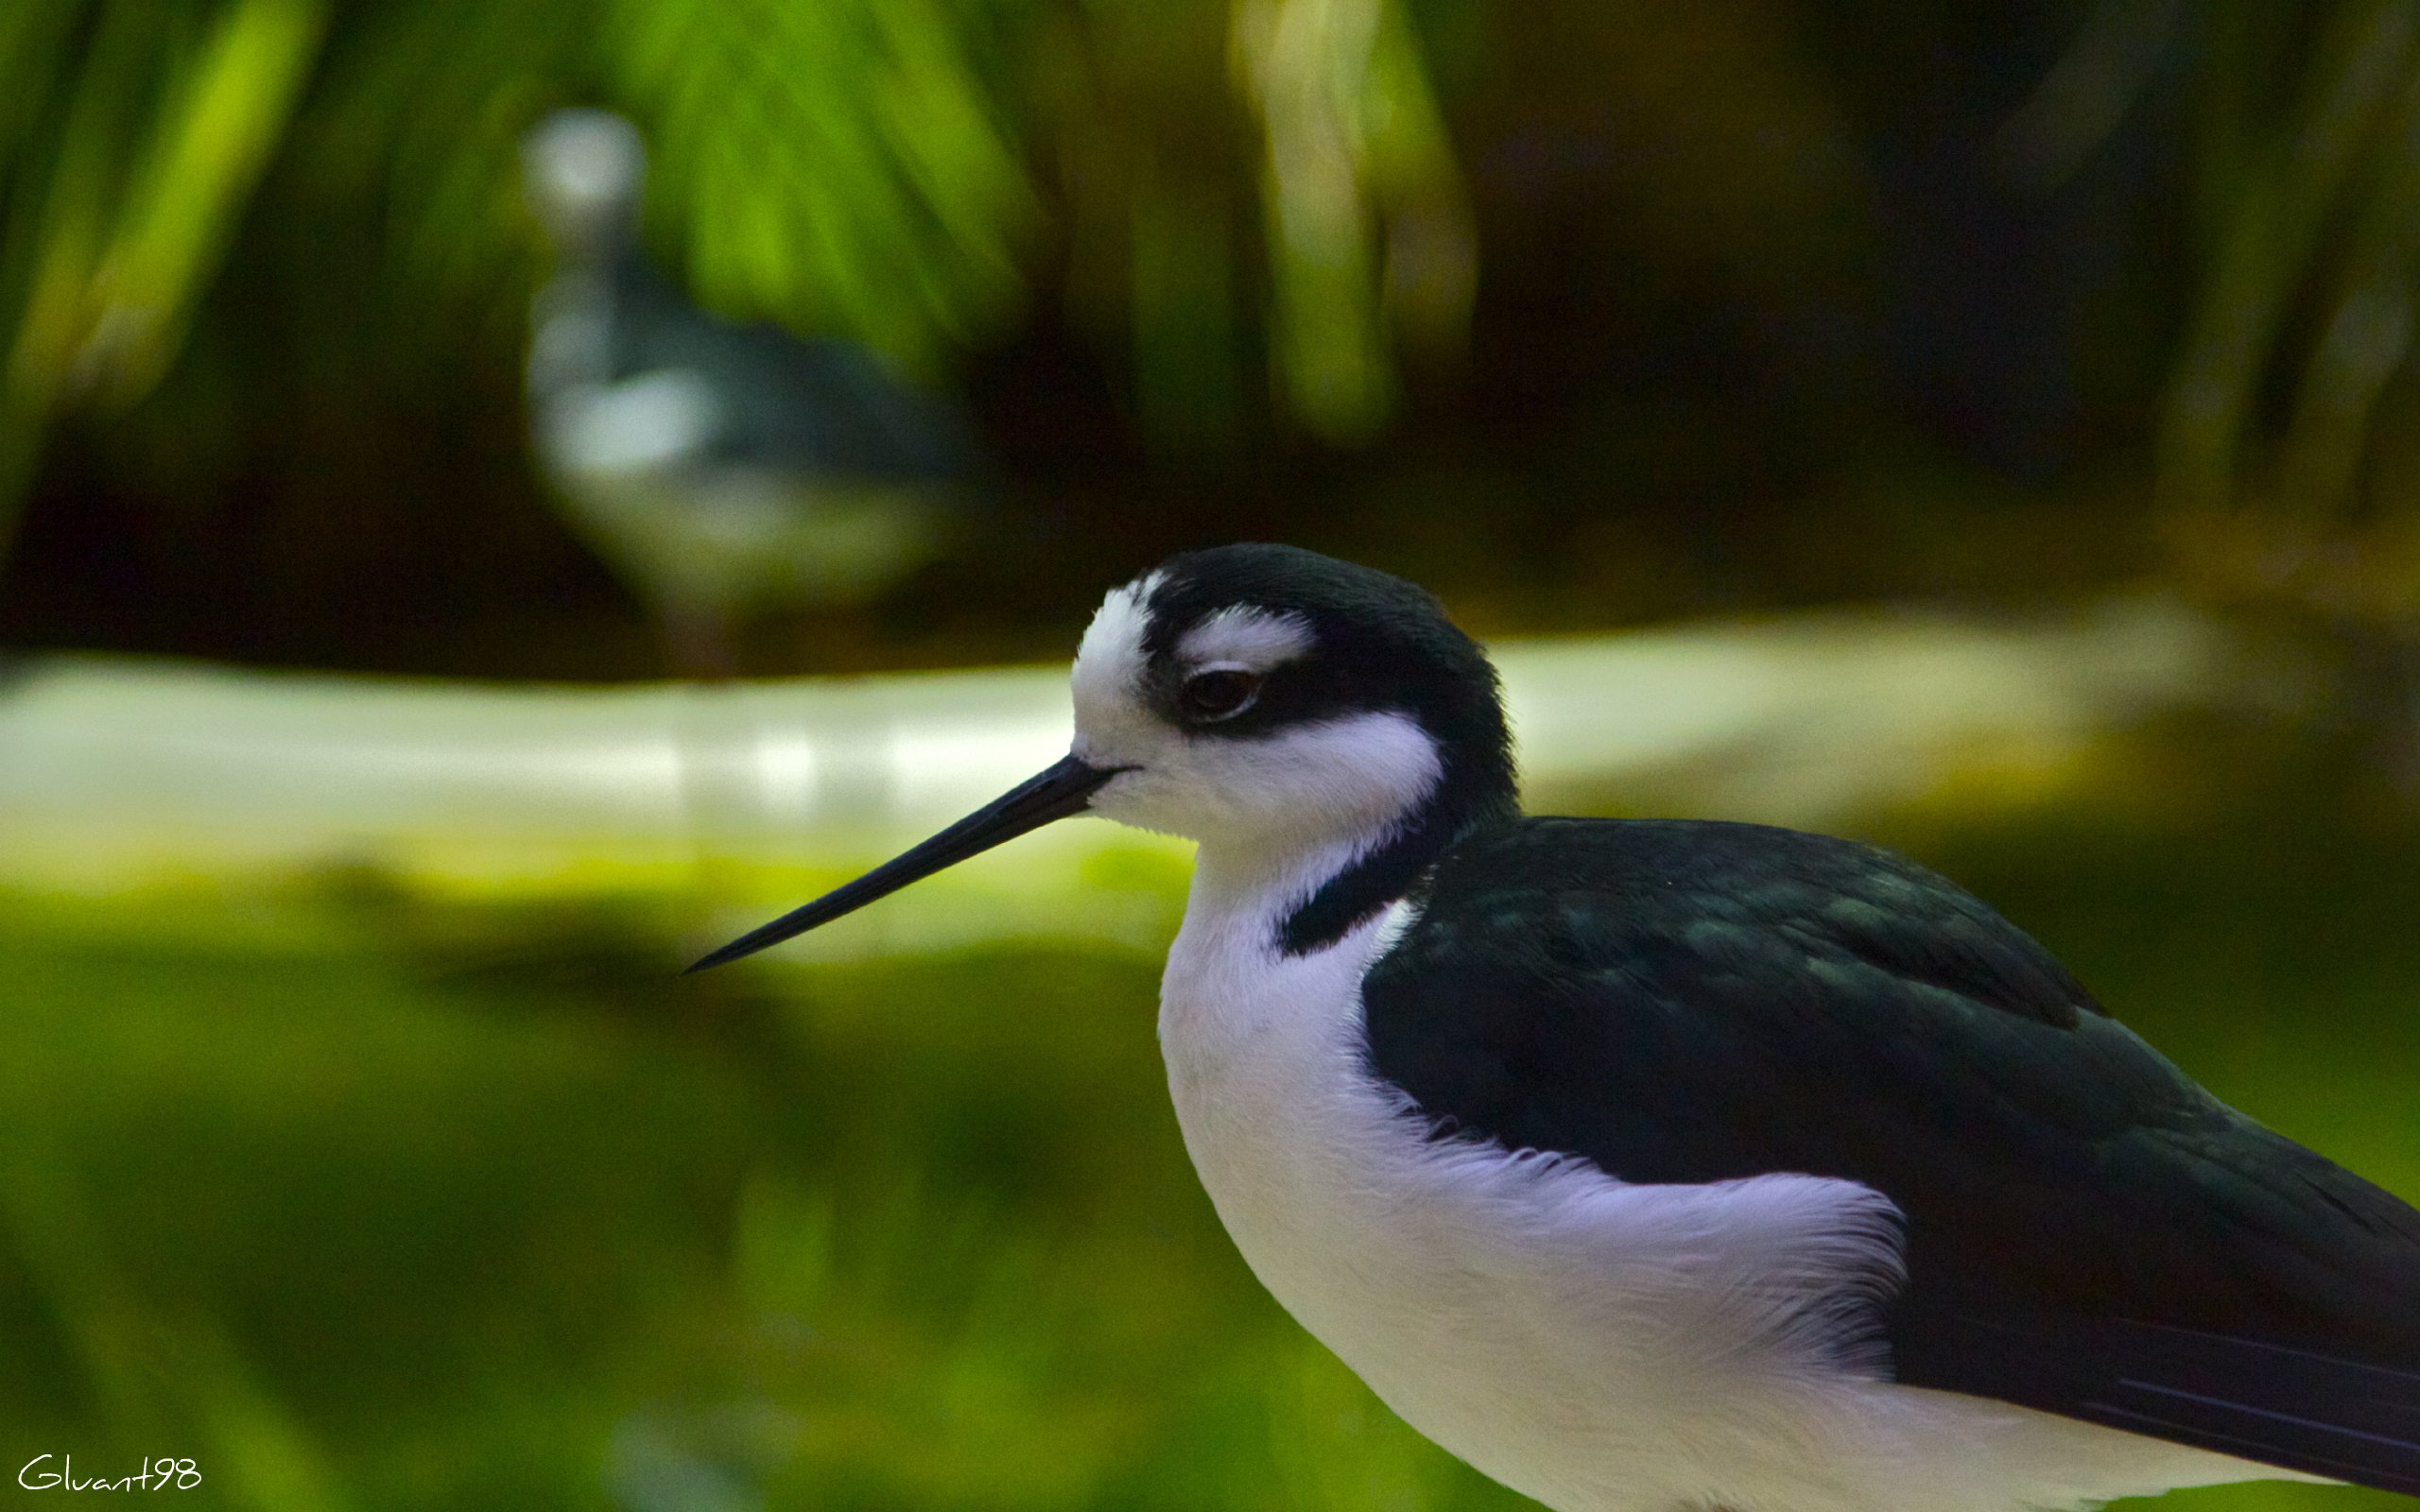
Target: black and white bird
{"type": "Point", "coordinates": [720, 469]}
{"type": "Point", "coordinates": [1667, 1166]}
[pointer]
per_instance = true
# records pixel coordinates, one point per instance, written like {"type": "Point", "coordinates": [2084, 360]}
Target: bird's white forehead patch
{"type": "Point", "coordinates": [1114, 642]}
{"type": "Point", "coordinates": [1245, 636]}
{"type": "Point", "coordinates": [1108, 663]}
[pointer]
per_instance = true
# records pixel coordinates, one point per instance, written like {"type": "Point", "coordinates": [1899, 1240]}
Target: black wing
{"type": "Point", "coordinates": [811, 403]}
{"type": "Point", "coordinates": [2088, 1232]}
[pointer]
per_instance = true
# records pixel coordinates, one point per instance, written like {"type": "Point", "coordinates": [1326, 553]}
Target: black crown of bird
{"type": "Point", "coordinates": [1945, 1232]}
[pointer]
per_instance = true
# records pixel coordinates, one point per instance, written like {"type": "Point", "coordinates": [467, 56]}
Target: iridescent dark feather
{"type": "Point", "coordinates": [2088, 1232]}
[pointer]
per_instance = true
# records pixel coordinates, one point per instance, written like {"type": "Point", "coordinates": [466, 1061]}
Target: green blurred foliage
{"type": "Point", "coordinates": [1584, 312]}
{"type": "Point", "coordinates": [2284, 442]}
{"type": "Point", "coordinates": [134, 138]}
{"type": "Point", "coordinates": [265, 270]}
{"type": "Point", "coordinates": [853, 167]}
{"type": "Point", "coordinates": [368, 1211]}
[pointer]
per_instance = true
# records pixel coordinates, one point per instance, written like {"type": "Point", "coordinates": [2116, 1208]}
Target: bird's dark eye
{"type": "Point", "coordinates": [1220, 693]}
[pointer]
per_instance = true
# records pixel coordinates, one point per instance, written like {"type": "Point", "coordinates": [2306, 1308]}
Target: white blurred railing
{"type": "Point", "coordinates": [119, 773]}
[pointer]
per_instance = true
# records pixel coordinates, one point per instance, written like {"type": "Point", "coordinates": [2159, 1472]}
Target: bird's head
{"type": "Point", "coordinates": [582, 171]}
{"type": "Point", "coordinates": [1254, 698]}
{"type": "Point", "coordinates": [1263, 695]}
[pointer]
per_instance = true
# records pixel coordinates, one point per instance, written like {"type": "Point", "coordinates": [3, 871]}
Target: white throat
{"type": "Point", "coordinates": [1228, 974]}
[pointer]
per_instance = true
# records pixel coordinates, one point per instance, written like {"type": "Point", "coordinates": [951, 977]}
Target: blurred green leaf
{"type": "Point", "coordinates": [1355, 150]}
{"type": "Point", "coordinates": [2276, 214]}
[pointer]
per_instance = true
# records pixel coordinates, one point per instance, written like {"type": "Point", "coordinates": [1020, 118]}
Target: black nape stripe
{"type": "Point", "coordinates": [1469, 796]}
{"type": "Point", "coordinates": [1355, 894]}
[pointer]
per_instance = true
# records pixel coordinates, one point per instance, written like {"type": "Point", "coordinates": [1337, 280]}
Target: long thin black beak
{"type": "Point", "coordinates": [1053, 794]}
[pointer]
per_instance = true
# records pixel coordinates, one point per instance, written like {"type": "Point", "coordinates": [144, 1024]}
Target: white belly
{"type": "Point", "coordinates": [1600, 1345]}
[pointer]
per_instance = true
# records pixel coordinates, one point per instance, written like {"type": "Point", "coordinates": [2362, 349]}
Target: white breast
{"type": "Point", "coordinates": [1600, 1345]}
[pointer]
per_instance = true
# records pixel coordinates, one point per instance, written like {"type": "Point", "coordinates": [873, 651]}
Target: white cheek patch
{"type": "Point", "coordinates": [1354, 776]}
{"type": "Point", "coordinates": [1246, 637]}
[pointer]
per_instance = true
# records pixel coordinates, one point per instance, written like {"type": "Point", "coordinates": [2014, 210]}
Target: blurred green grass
{"type": "Point", "coordinates": [357, 1224]}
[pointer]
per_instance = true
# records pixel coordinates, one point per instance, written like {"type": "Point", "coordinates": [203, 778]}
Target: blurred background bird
{"type": "Point", "coordinates": [723, 469]}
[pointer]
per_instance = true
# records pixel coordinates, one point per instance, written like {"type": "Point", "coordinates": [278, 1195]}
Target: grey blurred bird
{"type": "Point", "coordinates": [723, 469]}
